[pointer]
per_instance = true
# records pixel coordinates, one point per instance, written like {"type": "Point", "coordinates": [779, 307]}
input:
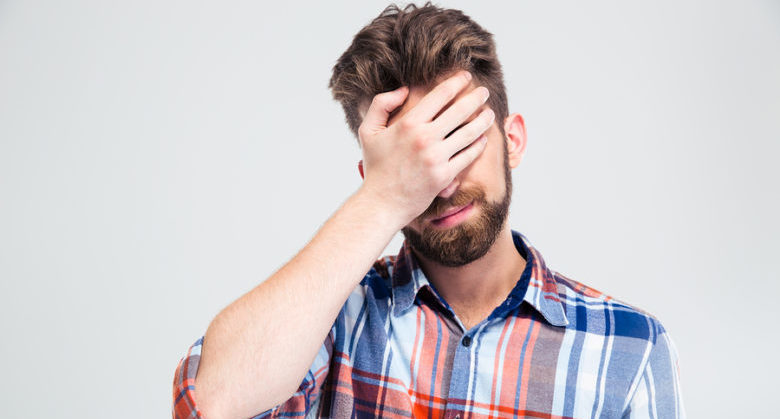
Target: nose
{"type": "Point", "coordinates": [450, 189]}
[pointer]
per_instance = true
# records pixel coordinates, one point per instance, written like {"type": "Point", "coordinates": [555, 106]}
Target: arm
{"type": "Point", "coordinates": [268, 338]}
{"type": "Point", "coordinates": [304, 399]}
{"type": "Point", "coordinates": [257, 350]}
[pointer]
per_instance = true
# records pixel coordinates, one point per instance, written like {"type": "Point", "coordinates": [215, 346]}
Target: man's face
{"type": "Point", "coordinates": [460, 227]}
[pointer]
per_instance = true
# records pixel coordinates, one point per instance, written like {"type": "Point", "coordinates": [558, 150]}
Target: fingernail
{"type": "Point", "coordinates": [468, 75]}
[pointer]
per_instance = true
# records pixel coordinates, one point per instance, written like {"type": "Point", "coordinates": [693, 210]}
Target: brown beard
{"type": "Point", "coordinates": [469, 240]}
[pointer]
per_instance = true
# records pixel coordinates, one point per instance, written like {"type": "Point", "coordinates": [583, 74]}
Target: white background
{"type": "Point", "coordinates": [159, 159]}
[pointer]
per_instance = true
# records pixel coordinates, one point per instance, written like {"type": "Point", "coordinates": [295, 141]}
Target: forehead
{"type": "Point", "coordinates": [417, 93]}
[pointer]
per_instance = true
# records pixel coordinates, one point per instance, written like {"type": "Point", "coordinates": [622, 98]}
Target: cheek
{"type": "Point", "coordinates": [415, 225]}
{"type": "Point", "coordinates": [493, 156]}
{"type": "Point", "coordinates": [488, 168]}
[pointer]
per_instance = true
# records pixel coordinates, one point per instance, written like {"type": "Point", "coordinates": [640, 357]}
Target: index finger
{"type": "Point", "coordinates": [433, 102]}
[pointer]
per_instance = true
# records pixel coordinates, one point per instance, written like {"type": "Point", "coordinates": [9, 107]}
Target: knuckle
{"type": "Point", "coordinates": [474, 130]}
{"type": "Point", "coordinates": [406, 124]}
{"type": "Point", "coordinates": [483, 122]}
{"type": "Point", "coordinates": [431, 161]}
{"type": "Point", "coordinates": [420, 143]}
{"type": "Point", "coordinates": [471, 153]}
{"type": "Point", "coordinates": [475, 101]}
{"type": "Point", "coordinates": [451, 89]}
{"type": "Point", "coordinates": [379, 100]}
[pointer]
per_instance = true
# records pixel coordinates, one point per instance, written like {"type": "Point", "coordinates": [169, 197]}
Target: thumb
{"type": "Point", "coordinates": [381, 107]}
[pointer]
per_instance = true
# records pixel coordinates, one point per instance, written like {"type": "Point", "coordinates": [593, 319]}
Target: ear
{"type": "Point", "coordinates": [514, 127]}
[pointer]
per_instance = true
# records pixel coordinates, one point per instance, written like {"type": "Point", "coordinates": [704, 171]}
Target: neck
{"type": "Point", "coordinates": [475, 289]}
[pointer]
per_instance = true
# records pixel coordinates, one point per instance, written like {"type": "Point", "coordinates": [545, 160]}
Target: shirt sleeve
{"type": "Point", "coordinates": [658, 393]}
{"type": "Point", "coordinates": [300, 404]}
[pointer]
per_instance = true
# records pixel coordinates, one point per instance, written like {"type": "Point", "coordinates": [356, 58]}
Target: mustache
{"type": "Point", "coordinates": [461, 197]}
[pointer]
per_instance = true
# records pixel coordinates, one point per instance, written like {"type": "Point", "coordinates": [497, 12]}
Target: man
{"type": "Point", "coordinates": [467, 320]}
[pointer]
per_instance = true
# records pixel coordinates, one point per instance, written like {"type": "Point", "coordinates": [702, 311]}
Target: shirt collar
{"type": "Point", "coordinates": [541, 291]}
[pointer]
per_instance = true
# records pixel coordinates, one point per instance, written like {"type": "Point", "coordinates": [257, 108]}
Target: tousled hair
{"type": "Point", "coordinates": [415, 46]}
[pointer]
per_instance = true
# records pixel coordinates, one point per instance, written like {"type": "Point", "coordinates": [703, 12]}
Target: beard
{"type": "Point", "coordinates": [469, 240]}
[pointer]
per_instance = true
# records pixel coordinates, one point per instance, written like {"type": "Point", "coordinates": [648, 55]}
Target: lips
{"type": "Point", "coordinates": [450, 211]}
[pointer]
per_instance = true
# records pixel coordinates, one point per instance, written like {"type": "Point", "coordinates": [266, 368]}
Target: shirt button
{"type": "Point", "coordinates": [466, 341]}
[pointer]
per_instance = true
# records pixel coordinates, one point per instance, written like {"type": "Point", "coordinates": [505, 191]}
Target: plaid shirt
{"type": "Point", "coordinates": [554, 349]}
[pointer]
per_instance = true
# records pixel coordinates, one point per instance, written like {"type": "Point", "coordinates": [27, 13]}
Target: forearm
{"type": "Point", "coordinates": [259, 348]}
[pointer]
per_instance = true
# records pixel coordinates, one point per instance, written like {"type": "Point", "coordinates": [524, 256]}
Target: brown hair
{"type": "Point", "coordinates": [414, 47]}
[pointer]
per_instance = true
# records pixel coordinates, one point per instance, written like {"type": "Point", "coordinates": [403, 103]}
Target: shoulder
{"type": "Point", "coordinates": [591, 310]}
{"type": "Point", "coordinates": [641, 359]}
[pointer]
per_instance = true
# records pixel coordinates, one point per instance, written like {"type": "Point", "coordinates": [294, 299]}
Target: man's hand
{"type": "Point", "coordinates": [409, 162]}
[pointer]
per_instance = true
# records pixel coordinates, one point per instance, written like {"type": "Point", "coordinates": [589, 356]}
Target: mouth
{"type": "Point", "coordinates": [453, 216]}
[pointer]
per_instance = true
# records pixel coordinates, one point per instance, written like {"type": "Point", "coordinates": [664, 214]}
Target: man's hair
{"type": "Point", "coordinates": [415, 46]}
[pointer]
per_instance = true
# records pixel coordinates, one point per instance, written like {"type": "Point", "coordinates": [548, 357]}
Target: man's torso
{"type": "Point", "coordinates": [553, 348]}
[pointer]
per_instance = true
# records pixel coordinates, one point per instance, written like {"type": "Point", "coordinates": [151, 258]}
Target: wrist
{"type": "Point", "coordinates": [375, 204]}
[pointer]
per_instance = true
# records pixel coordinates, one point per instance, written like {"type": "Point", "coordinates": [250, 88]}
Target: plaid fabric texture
{"type": "Point", "coordinates": [554, 348]}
